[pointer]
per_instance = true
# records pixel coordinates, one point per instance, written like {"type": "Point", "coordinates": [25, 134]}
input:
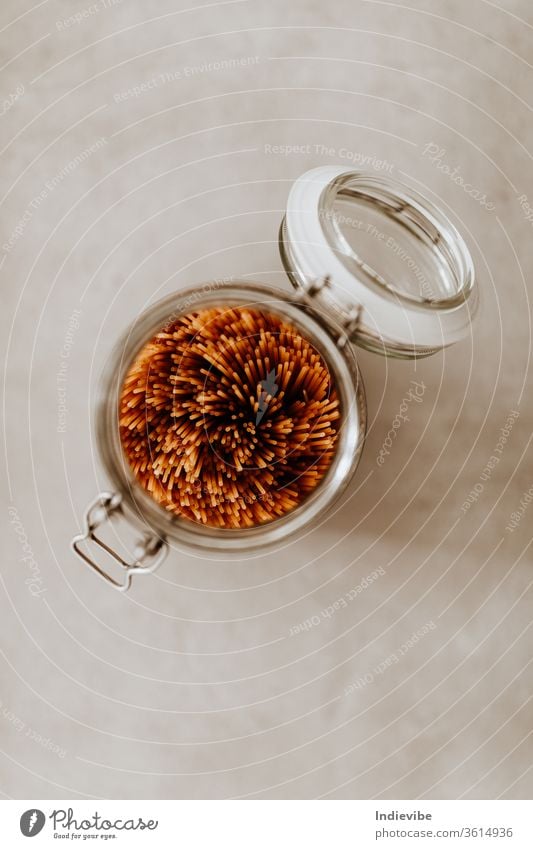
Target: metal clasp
{"type": "Point", "coordinates": [315, 286]}
{"type": "Point", "coordinates": [307, 291]}
{"type": "Point", "coordinates": [149, 547]}
{"type": "Point", "coordinates": [350, 325]}
{"type": "Point", "coordinates": [350, 318]}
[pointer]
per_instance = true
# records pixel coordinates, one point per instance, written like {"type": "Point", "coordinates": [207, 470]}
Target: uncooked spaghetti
{"type": "Point", "coordinates": [229, 417]}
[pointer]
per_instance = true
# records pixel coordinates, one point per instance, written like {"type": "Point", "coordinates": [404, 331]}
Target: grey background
{"type": "Point", "coordinates": [192, 686]}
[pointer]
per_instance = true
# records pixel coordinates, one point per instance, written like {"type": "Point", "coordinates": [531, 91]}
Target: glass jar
{"type": "Point", "coordinates": [372, 263]}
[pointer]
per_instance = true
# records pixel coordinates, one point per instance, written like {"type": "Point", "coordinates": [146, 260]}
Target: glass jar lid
{"type": "Point", "coordinates": [379, 258]}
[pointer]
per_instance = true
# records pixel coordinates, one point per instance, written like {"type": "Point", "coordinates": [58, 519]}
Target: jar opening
{"type": "Point", "coordinates": [229, 416]}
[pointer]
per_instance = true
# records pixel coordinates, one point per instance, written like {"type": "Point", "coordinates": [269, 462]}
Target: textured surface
{"type": "Point", "coordinates": [200, 682]}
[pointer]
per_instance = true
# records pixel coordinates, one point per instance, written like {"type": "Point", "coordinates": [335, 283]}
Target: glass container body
{"type": "Point", "coordinates": [328, 339]}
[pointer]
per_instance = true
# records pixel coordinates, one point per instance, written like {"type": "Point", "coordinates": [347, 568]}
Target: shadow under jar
{"type": "Point", "coordinates": [372, 263]}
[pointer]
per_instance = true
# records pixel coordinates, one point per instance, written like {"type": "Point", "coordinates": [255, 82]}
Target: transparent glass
{"type": "Point", "coordinates": [415, 253]}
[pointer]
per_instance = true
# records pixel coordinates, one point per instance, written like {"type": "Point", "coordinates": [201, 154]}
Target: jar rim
{"type": "Point", "coordinates": [348, 381]}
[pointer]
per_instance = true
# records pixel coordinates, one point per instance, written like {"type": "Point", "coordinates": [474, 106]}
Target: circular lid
{"type": "Point", "coordinates": [381, 259]}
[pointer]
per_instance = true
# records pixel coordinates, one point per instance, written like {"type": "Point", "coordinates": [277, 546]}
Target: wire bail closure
{"type": "Point", "coordinates": [103, 508]}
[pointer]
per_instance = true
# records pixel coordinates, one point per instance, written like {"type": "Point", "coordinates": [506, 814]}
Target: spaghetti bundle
{"type": "Point", "coordinates": [229, 417]}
